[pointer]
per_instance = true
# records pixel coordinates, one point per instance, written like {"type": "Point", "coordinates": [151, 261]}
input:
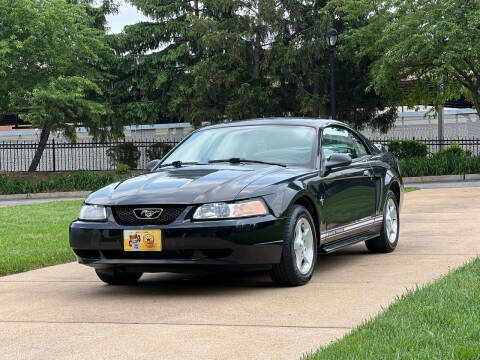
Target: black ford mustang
{"type": "Point", "coordinates": [272, 192]}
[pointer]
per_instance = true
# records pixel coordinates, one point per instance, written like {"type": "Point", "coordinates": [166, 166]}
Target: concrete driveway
{"type": "Point", "coordinates": [64, 312]}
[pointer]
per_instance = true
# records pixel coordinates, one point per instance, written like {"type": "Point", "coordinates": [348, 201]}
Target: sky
{"type": "Point", "coordinates": [127, 15]}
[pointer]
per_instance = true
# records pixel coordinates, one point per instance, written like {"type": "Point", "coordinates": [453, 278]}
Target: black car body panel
{"type": "Point", "coordinates": [346, 204]}
{"type": "Point", "coordinates": [249, 241]}
{"type": "Point", "coordinates": [194, 185]}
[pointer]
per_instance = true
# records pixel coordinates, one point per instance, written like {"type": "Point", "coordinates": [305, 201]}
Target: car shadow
{"type": "Point", "coordinates": [205, 284]}
{"type": "Point", "coordinates": [213, 283]}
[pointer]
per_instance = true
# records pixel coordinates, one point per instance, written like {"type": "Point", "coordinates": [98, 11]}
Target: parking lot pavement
{"type": "Point", "coordinates": [64, 312]}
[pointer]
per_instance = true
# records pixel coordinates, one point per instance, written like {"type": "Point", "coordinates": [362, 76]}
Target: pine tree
{"type": "Point", "coordinates": [217, 60]}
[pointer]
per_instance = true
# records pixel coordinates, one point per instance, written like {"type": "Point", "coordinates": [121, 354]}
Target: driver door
{"type": "Point", "coordinates": [350, 191]}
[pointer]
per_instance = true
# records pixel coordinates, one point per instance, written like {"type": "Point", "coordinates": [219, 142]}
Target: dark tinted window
{"type": "Point", "coordinates": [340, 140]}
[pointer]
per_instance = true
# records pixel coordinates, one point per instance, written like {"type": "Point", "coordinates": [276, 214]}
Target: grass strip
{"type": "Point", "coordinates": [437, 321]}
{"type": "Point", "coordinates": [33, 236]}
{"type": "Point", "coordinates": [411, 188]}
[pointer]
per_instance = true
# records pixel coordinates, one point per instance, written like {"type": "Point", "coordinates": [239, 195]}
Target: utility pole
{"type": "Point", "coordinates": [440, 126]}
{"type": "Point", "coordinates": [331, 37]}
{"type": "Point", "coordinates": [333, 101]}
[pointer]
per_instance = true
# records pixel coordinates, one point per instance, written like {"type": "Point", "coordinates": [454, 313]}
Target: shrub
{"type": "Point", "coordinates": [395, 147]}
{"type": "Point", "coordinates": [440, 164]}
{"type": "Point", "coordinates": [122, 169]}
{"type": "Point", "coordinates": [124, 153]}
{"type": "Point", "coordinates": [158, 150]}
{"type": "Point", "coordinates": [90, 180]}
{"type": "Point", "coordinates": [78, 180]}
{"type": "Point", "coordinates": [405, 149]}
{"type": "Point", "coordinates": [454, 150]}
{"type": "Point", "coordinates": [412, 148]}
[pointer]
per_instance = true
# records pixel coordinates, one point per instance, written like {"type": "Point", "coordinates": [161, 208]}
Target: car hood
{"type": "Point", "coordinates": [191, 185]}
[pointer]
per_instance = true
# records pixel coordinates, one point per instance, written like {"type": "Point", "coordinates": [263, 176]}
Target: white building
{"type": "Point", "coordinates": [422, 123]}
{"type": "Point", "coordinates": [173, 131]}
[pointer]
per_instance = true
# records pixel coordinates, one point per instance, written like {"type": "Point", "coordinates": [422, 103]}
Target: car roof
{"type": "Point", "coordinates": [291, 121]}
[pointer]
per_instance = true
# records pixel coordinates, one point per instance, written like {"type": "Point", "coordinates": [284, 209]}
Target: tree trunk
{"type": "Point", "coordinates": [47, 127]}
{"type": "Point", "coordinates": [195, 7]}
{"type": "Point", "coordinates": [476, 101]}
{"type": "Point", "coordinates": [316, 96]}
{"type": "Point", "coordinates": [257, 45]}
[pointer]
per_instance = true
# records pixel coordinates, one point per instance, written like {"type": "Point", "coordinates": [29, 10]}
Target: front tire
{"type": "Point", "coordinates": [116, 277]}
{"type": "Point", "coordinates": [388, 239]}
{"type": "Point", "coordinates": [299, 253]}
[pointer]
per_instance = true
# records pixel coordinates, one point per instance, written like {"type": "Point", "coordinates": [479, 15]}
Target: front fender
{"type": "Point", "coordinates": [285, 196]}
{"type": "Point", "coordinates": [391, 181]}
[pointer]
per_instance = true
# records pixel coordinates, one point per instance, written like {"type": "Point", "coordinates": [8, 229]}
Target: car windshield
{"type": "Point", "coordinates": [289, 145]}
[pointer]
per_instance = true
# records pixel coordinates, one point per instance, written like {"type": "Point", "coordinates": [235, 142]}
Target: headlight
{"type": "Point", "coordinates": [92, 213]}
{"type": "Point", "coordinates": [228, 211]}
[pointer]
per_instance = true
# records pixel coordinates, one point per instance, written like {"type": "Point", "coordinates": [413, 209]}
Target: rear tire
{"type": "Point", "coordinates": [388, 239]}
{"type": "Point", "coordinates": [116, 277]}
{"type": "Point", "coordinates": [299, 253]}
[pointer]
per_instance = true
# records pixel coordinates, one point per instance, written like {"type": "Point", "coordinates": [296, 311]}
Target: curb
{"type": "Point", "coordinates": [54, 195]}
{"type": "Point", "coordinates": [441, 178]}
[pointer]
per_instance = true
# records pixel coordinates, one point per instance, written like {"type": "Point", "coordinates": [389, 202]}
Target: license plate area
{"type": "Point", "coordinates": [142, 240]}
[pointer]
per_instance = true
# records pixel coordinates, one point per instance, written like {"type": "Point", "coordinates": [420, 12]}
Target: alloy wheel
{"type": "Point", "coordinates": [391, 221]}
{"type": "Point", "coordinates": [303, 245]}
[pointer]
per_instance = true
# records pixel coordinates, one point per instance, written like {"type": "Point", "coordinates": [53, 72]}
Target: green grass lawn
{"type": "Point", "coordinates": [439, 321]}
{"type": "Point", "coordinates": [411, 188]}
{"type": "Point", "coordinates": [32, 236]}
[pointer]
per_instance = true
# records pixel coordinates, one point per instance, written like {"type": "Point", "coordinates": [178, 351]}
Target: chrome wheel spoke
{"type": "Point", "coordinates": [297, 245]}
{"type": "Point", "coordinates": [305, 233]}
{"type": "Point", "coordinates": [391, 221]}
{"type": "Point", "coordinates": [298, 229]}
{"type": "Point", "coordinates": [299, 263]}
{"type": "Point", "coordinates": [303, 245]}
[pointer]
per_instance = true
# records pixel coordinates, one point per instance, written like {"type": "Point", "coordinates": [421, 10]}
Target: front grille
{"type": "Point", "coordinates": [148, 255]}
{"type": "Point", "coordinates": [124, 215]}
{"type": "Point", "coordinates": [167, 254]}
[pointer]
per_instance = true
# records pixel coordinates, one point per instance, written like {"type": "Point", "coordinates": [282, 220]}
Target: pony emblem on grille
{"type": "Point", "coordinates": [148, 213]}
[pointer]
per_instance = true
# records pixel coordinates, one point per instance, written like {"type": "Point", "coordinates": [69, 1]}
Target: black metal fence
{"type": "Point", "coordinates": [64, 156]}
{"type": "Point", "coordinates": [435, 145]}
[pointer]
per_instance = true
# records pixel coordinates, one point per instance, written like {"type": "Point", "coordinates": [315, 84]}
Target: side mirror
{"type": "Point", "coordinates": [381, 147]}
{"type": "Point", "coordinates": [152, 164]}
{"type": "Point", "coordinates": [338, 160]}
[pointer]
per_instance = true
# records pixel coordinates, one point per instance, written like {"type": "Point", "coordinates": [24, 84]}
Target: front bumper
{"type": "Point", "coordinates": [186, 244]}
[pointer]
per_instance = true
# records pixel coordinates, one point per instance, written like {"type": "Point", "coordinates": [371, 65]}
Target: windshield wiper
{"type": "Point", "coordinates": [179, 164]}
{"type": "Point", "coordinates": [238, 161]}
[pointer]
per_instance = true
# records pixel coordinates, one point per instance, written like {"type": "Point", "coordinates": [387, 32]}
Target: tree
{"type": "Point", "coordinates": [431, 46]}
{"type": "Point", "coordinates": [155, 56]}
{"type": "Point", "coordinates": [270, 58]}
{"type": "Point", "coordinates": [228, 60]}
{"type": "Point", "coordinates": [53, 63]}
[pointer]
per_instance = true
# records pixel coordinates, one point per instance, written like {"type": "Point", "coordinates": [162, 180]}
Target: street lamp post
{"type": "Point", "coordinates": [331, 37]}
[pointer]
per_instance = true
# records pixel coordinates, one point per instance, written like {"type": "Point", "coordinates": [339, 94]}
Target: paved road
{"type": "Point", "coordinates": [4, 203]}
{"type": "Point", "coordinates": [446, 184]}
{"type": "Point", "coordinates": [64, 312]}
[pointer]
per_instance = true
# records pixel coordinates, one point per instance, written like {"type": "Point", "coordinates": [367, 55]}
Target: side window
{"type": "Point", "coordinates": [335, 140]}
{"type": "Point", "coordinates": [340, 140]}
{"type": "Point", "coordinates": [360, 149]}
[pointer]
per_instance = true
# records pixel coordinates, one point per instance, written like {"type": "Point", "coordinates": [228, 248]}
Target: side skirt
{"type": "Point", "coordinates": [331, 247]}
